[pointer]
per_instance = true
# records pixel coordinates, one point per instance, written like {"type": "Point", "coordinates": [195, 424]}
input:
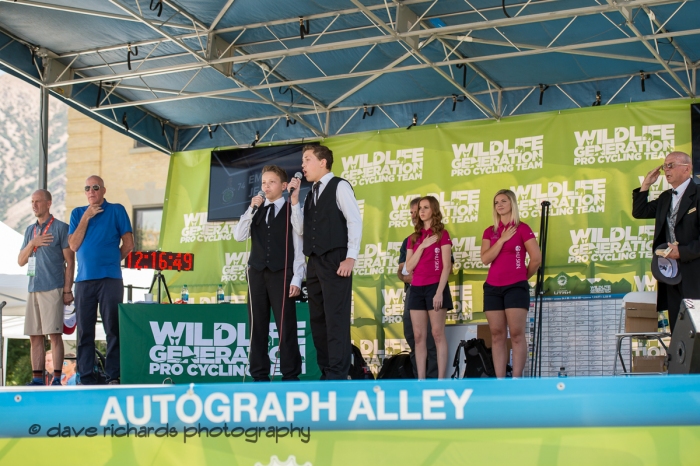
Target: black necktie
{"type": "Point", "coordinates": [264, 212]}
{"type": "Point", "coordinates": [675, 193]}
{"type": "Point", "coordinates": [317, 186]}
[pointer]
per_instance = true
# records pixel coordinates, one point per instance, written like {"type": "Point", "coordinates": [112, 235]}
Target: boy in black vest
{"type": "Point", "coordinates": [332, 228]}
{"type": "Point", "coordinates": [276, 268]}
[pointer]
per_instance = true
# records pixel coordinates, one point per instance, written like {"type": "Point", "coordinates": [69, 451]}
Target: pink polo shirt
{"type": "Point", "coordinates": [509, 266]}
{"type": "Point", "coordinates": [430, 264]}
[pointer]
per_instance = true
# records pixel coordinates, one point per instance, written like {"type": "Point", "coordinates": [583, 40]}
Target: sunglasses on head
{"type": "Point", "coordinates": [95, 187]}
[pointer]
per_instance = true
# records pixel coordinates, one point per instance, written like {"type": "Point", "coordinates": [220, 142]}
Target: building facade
{"type": "Point", "coordinates": [134, 176]}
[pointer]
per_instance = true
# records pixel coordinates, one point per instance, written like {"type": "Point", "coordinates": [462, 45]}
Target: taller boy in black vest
{"type": "Point", "coordinates": [276, 268]}
{"type": "Point", "coordinates": [332, 228]}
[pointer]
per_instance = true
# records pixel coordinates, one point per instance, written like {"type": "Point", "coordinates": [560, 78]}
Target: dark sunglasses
{"type": "Point", "coordinates": [95, 187]}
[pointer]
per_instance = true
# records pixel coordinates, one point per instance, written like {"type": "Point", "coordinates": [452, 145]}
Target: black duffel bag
{"type": "Point", "coordinates": [398, 366]}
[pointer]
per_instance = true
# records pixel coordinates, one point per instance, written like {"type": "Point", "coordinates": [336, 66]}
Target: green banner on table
{"type": "Point", "coordinates": [585, 162]}
{"type": "Point", "coordinates": [198, 343]}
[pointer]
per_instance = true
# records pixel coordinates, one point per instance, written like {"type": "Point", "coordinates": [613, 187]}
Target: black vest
{"type": "Point", "coordinates": [267, 250]}
{"type": "Point", "coordinates": [325, 227]}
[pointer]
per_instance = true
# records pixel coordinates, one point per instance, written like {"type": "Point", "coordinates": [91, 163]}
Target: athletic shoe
{"type": "Point", "coordinates": [56, 381]}
{"type": "Point", "coordinates": [113, 382]}
{"type": "Point", "coordinates": [36, 383]}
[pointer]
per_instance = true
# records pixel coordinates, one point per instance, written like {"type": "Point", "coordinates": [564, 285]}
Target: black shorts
{"type": "Point", "coordinates": [500, 298]}
{"type": "Point", "coordinates": [421, 297]}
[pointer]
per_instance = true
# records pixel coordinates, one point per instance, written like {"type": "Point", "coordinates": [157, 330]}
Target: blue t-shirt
{"type": "Point", "coordinates": [99, 255]}
{"type": "Point", "coordinates": [50, 263]}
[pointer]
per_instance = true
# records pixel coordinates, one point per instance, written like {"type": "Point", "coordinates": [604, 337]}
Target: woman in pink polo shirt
{"type": "Point", "coordinates": [506, 290]}
{"type": "Point", "coordinates": [428, 257]}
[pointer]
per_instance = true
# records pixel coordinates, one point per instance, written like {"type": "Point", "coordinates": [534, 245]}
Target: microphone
{"type": "Point", "coordinates": [296, 175]}
{"type": "Point", "coordinates": [260, 193]}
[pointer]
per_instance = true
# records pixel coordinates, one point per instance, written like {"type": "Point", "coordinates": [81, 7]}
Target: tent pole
{"type": "Point", "coordinates": [3, 350]}
{"type": "Point", "coordinates": [43, 137]}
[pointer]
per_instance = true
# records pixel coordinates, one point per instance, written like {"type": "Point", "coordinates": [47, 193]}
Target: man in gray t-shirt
{"type": "Point", "coordinates": [50, 268]}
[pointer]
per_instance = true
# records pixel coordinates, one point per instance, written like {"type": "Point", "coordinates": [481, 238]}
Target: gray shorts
{"type": "Point", "coordinates": [44, 313]}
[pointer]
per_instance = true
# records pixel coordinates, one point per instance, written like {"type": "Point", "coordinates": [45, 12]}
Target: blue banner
{"type": "Point", "coordinates": [173, 410]}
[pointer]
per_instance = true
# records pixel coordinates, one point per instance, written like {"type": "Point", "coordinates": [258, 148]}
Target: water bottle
{"type": "Point", "coordinates": [220, 295]}
{"type": "Point", "coordinates": [185, 294]}
{"type": "Point", "coordinates": [562, 372]}
{"type": "Point", "coordinates": [663, 322]}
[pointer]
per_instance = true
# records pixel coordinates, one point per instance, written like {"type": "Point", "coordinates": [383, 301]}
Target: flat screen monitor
{"type": "Point", "coordinates": [236, 176]}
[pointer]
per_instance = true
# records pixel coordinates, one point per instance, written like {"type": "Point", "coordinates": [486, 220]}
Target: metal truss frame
{"type": "Point", "coordinates": [575, 48]}
{"type": "Point", "coordinates": [505, 90]}
{"type": "Point", "coordinates": [381, 27]}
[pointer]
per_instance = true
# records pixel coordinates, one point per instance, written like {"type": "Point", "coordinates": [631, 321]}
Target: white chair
{"type": "Point", "coordinates": [635, 297]}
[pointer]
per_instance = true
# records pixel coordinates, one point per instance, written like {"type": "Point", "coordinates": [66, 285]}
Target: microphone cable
{"type": "Point", "coordinates": [284, 285]}
{"type": "Point", "coordinates": [250, 312]}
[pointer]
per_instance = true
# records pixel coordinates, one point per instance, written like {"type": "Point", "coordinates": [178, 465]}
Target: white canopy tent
{"type": "Point", "coordinates": [13, 278]}
{"type": "Point", "coordinates": [13, 291]}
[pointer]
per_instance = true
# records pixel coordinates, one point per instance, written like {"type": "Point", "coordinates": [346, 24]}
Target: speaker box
{"type": "Point", "coordinates": [684, 352]}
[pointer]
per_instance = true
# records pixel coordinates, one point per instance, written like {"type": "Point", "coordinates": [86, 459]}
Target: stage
{"type": "Point", "coordinates": [585, 420]}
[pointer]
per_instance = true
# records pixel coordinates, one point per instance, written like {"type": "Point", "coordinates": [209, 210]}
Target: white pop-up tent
{"type": "Point", "coordinates": [13, 278]}
{"type": "Point", "coordinates": [13, 291]}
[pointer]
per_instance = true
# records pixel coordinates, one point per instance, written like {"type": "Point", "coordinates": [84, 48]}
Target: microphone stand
{"type": "Point", "coordinates": [536, 333]}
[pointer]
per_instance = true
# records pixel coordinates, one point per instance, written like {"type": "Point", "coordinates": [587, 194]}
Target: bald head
{"type": "Point", "coordinates": [95, 190]}
{"type": "Point", "coordinates": [678, 168]}
{"type": "Point", "coordinates": [681, 157]}
{"type": "Point", "coordinates": [41, 204]}
{"type": "Point", "coordinates": [43, 193]}
{"type": "Point", "coordinates": [94, 179]}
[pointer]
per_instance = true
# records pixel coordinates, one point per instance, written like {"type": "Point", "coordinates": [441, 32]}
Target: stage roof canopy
{"type": "Point", "coordinates": [191, 74]}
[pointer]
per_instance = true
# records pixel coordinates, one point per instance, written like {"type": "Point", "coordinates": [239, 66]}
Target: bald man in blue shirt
{"type": "Point", "coordinates": [100, 234]}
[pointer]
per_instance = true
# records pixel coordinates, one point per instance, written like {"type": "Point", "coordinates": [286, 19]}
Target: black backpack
{"type": "Point", "coordinates": [359, 369]}
{"type": "Point", "coordinates": [398, 366]}
{"type": "Point", "coordinates": [477, 358]}
{"type": "Point", "coordinates": [99, 368]}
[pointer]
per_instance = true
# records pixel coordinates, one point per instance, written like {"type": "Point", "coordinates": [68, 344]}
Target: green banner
{"type": "Point", "coordinates": [197, 343]}
{"type": "Point", "coordinates": [535, 446]}
{"type": "Point", "coordinates": [585, 162]}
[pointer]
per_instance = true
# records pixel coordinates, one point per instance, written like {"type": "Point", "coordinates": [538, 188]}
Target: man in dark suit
{"type": "Point", "coordinates": [676, 212]}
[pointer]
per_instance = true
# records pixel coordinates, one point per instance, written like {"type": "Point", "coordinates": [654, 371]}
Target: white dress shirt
{"type": "Point", "coordinates": [680, 190]}
{"type": "Point", "coordinates": [242, 231]}
{"type": "Point", "coordinates": [345, 199]}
